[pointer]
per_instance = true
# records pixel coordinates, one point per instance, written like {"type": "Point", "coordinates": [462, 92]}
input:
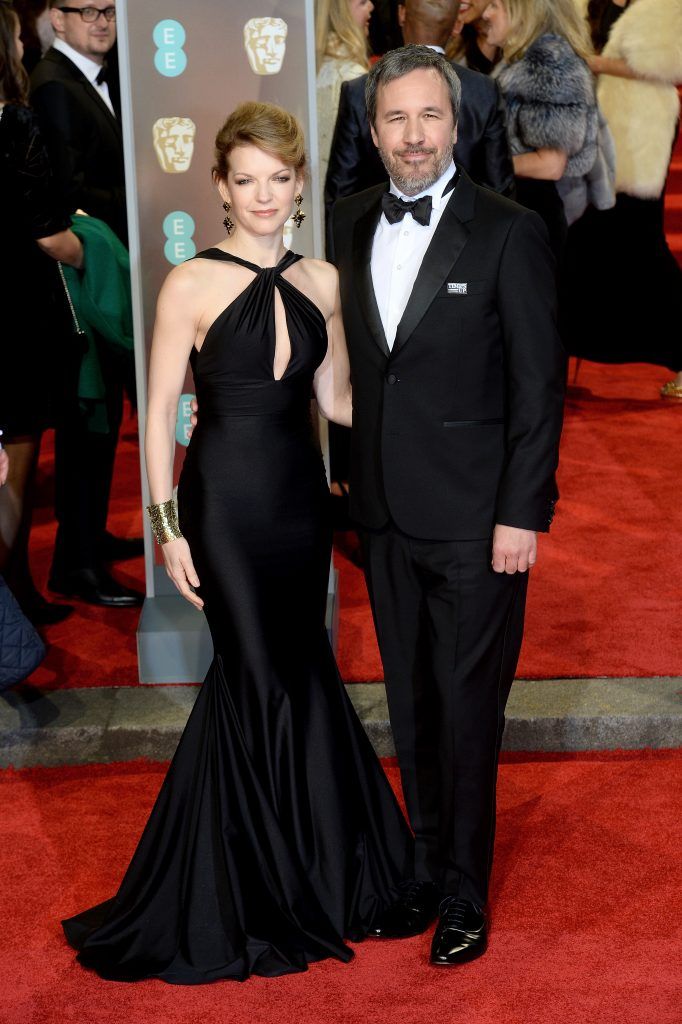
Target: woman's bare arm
{"type": "Point", "coordinates": [175, 332]}
{"type": "Point", "coordinates": [332, 381]}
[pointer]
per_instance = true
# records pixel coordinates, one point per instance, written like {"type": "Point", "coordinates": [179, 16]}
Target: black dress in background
{"type": "Point", "coordinates": [36, 342]}
{"type": "Point", "coordinates": [275, 835]}
{"type": "Point", "coordinates": [621, 286]}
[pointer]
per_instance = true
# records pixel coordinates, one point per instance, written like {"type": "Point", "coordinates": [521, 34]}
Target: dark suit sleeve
{"type": "Point", "coordinates": [69, 137]}
{"type": "Point", "coordinates": [39, 203]}
{"type": "Point", "coordinates": [535, 369]}
{"type": "Point", "coordinates": [498, 172]}
{"type": "Point", "coordinates": [345, 161]}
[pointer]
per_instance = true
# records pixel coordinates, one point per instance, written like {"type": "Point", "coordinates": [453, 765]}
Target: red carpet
{"type": "Point", "coordinates": [586, 903]}
{"type": "Point", "coordinates": [605, 595]}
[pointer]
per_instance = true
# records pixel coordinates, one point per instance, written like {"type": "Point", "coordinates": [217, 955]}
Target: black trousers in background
{"type": "Point", "coordinates": [449, 631]}
{"type": "Point", "coordinates": [84, 466]}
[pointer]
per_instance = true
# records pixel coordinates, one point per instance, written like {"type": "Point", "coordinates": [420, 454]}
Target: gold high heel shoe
{"type": "Point", "coordinates": [672, 390]}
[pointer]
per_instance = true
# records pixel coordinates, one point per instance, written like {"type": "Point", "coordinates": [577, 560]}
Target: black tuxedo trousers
{"type": "Point", "coordinates": [449, 632]}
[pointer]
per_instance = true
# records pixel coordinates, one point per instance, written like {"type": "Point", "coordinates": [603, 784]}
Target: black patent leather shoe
{"type": "Point", "coordinates": [461, 934]}
{"type": "Point", "coordinates": [118, 549]}
{"type": "Point", "coordinates": [95, 586]}
{"type": "Point", "coordinates": [411, 914]}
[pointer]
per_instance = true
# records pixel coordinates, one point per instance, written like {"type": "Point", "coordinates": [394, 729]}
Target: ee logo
{"type": "Point", "coordinates": [170, 59]}
{"type": "Point", "coordinates": [182, 424]}
{"type": "Point", "coordinates": [178, 227]}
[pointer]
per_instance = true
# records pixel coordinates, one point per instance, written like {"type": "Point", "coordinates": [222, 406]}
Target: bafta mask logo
{"type": "Point", "coordinates": [174, 143]}
{"type": "Point", "coordinates": [265, 42]}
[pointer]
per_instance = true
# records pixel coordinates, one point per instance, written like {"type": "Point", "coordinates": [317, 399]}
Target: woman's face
{"type": "Point", "coordinates": [496, 18]}
{"type": "Point", "coordinates": [360, 11]}
{"type": "Point", "coordinates": [260, 189]}
{"type": "Point", "coordinates": [471, 10]}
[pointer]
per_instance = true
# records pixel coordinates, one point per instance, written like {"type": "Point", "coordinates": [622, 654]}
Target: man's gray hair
{"type": "Point", "coordinates": [402, 61]}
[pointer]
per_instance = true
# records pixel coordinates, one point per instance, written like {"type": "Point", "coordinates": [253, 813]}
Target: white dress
{"type": "Point", "coordinates": [333, 72]}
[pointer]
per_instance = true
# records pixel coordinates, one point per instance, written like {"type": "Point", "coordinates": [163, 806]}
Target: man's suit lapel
{"type": "Point", "coordinates": [363, 237]}
{"type": "Point", "coordinates": [90, 92]}
{"type": "Point", "coordinates": [444, 250]}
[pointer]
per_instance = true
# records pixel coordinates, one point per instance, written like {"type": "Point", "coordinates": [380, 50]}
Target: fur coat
{"type": "Point", "coordinates": [643, 115]}
{"type": "Point", "coordinates": [551, 103]}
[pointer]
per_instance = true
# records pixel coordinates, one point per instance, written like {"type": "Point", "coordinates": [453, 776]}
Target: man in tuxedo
{"type": "Point", "coordinates": [448, 294]}
{"type": "Point", "coordinates": [72, 94]}
{"type": "Point", "coordinates": [75, 101]}
{"type": "Point", "coordinates": [481, 148]}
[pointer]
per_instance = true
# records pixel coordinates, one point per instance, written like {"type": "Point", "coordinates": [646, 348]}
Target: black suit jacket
{"type": "Point", "coordinates": [481, 148]}
{"type": "Point", "coordinates": [83, 139]}
{"type": "Point", "coordinates": [457, 428]}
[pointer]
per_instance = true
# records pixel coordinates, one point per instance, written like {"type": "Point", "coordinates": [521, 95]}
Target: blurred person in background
{"type": "Point", "coordinates": [469, 44]}
{"type": "Point", "coordinates": [71, 93]}
{"type": "Point", "coordinates": [626, 267]}
{"type": "Point", "coordinates": [384, 30]}
{"type": "Point", "coordinates": [36, 342]}
{"type": "Point", "coordinates": [342, 49]}
{"type": "Point", "coordinates": [37, 33]}
{"type": "Point", "coordinates": [552, 116]}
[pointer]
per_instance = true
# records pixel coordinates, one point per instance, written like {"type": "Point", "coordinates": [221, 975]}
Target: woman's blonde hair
{"type": "Point", "coordinates": [271, 128]}
{"type": "Point", "coordinates": [337, 35]}
{"type": "Point", "coordinates": [529, 19]}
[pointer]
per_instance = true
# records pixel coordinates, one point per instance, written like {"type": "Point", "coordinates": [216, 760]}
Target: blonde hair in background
{"type": "Point", "coordinates": [337, 35]}
{"type": "Point", "coordinates": [270, 128]}
{"type": "Point", "coordinates": [532, 18]}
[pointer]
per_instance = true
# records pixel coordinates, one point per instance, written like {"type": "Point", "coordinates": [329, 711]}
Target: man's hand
{"type": "Point", "coordinates": [514, 550]}
{"type": "Point", "coordinates": [4, 466]}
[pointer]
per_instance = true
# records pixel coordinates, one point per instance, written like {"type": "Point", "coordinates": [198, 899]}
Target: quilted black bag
{"type": "Point", "coordinates": [21, 649]}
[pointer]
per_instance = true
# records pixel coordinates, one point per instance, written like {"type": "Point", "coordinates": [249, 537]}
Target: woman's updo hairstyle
{"type": "Point", "coordinates": [271, 128]}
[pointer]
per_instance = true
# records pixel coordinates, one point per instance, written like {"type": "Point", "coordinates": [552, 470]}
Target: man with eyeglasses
{"type": "Point", "coordinates": [71, 94]}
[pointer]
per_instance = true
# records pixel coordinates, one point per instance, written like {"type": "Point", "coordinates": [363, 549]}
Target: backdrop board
{"type": "Point", "coordinates": [184, 67]}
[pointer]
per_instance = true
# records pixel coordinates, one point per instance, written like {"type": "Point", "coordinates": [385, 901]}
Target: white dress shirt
{"type": "Point", "coordinates": [397, 253]}
{"type": "Point", "coordinates": [89, 68]}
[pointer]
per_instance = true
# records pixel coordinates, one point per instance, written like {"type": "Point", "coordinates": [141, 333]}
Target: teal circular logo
{"type": "Point", "coordinates": [178, 227]}
{"type": "Point", "coordinates": [182, 424]}
{"type": "Point", "coordinates": [170, 59]}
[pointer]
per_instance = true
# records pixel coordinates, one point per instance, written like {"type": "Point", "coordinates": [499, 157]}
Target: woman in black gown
{"type": "Point", "coordinates": [37, 350]}
{"type": "Point", "coordinates": [275, 835]}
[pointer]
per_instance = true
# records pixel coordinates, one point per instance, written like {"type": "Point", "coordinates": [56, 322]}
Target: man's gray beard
{"type": "Point", "coordinates": [413, 186]}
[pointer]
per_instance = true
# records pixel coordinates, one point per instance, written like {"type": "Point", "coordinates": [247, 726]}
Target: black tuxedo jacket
{"type": "Point", "coordinates": [457, 428]}
{"type": "Point", "coordinates": [83, 139]}
{"type": "Point", "coordinates": [481, 148]}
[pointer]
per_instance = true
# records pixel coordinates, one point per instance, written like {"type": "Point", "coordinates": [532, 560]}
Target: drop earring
{"type": "Point", "coordinates": [299, 216]}
{"type": "Point", "coordinates": [229, 224]}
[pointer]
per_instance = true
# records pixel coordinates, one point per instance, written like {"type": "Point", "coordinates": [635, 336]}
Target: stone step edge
{"type": "Point", "coordinates": [109, 724]}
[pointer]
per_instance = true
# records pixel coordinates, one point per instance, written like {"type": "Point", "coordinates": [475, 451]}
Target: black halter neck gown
{"type": "Point", "coordinates": [275, 835]}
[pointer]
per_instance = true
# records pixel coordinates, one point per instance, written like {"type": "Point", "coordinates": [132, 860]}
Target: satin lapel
{"type": "Point", "coordinates": [444, 250]}
{"type": "Point", "coordinates": [363, 236]}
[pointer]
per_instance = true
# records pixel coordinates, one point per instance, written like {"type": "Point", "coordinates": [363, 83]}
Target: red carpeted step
{"type": "Point", "coordinates": [585, 909]}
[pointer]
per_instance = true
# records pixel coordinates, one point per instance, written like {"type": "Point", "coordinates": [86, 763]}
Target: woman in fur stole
{"type": "Point", "coordinates": [630, 290]}
{"type": "Point", "coordinates": [552, 117]}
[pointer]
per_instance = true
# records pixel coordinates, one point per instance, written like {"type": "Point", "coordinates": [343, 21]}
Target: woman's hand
{"type": "Point", "coordinates": [4, 466]}
{"type": "Point", "coordinates": [180, 568]}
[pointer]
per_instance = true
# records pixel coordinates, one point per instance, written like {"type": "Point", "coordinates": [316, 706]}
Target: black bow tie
{"type": "Point", "coordinates": [395, 208]}
{"type": "Point", "coordinates": [102, 75]}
